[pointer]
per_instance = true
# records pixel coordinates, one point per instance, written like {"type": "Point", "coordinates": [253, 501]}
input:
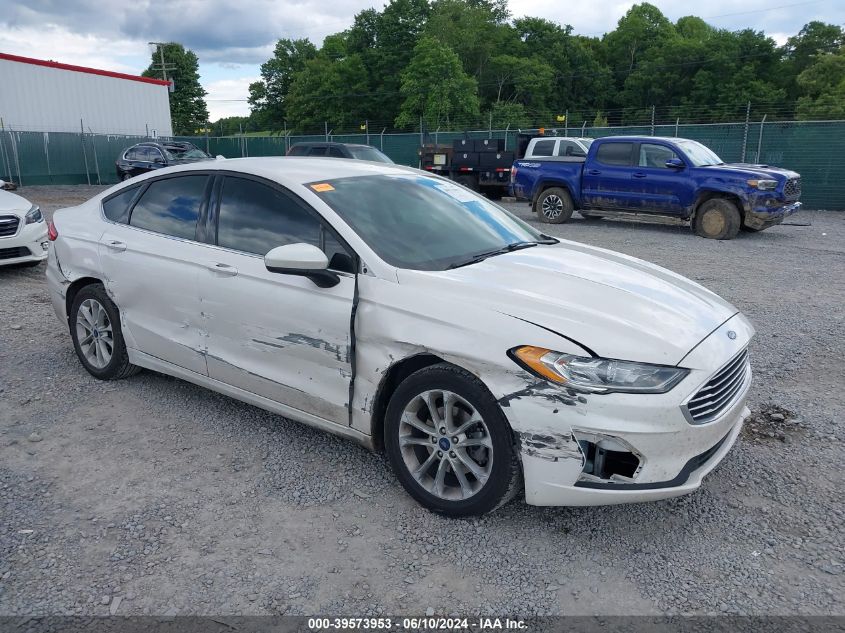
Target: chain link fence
{"type": "Point", "coordinates": [815, 149]}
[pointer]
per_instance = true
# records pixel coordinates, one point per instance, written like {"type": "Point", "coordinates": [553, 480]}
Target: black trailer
{"type": "Point", "coordinates": [479, 164]}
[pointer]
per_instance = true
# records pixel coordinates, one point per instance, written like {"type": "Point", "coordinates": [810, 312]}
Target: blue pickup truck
{"type": "Point", "coordinates": [665, 177]}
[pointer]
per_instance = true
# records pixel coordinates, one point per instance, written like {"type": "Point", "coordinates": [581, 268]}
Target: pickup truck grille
{"type": "Point", "coordinates": [792, 188]}
{"type": "Point", "coordinates": [8, 225]}
{"type": "Point", "coordinates": [720, 392]}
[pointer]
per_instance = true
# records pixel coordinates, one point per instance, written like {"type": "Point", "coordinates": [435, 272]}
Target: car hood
{"type": "Point", "coordinates": [13, 203]}
{"type": "Point", "coordinates": [613, 305]}
{"type": "Point", "coordinates": [755, 171]}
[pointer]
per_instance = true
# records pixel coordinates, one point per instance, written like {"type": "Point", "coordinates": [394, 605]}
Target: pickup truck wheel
{"type": "Point", "coordinates": [554, 206]}
{"type": "Point", "coordinates": [717, 219]}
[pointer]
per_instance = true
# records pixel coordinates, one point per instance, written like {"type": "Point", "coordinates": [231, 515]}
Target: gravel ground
{"type": "Point", "coordinates": [153, 496]}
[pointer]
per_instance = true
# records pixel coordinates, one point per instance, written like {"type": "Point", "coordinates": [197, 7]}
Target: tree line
{"type": "Point", "coordinates": [467, 64]}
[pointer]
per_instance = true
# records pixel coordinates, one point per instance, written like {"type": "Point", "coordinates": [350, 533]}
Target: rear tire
{"type": "Point", "coordinates": [717, 219]}
{"type": "Point", "coordinates": [554, 206]}
{"type": "Point", "coordinates": [460, 463]}
{"type": "Point", "coordinates": [97, 337]}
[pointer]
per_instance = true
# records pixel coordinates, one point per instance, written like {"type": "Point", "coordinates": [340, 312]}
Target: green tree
{"type": "Point", "coordinates": [188, 110]}
{"type": "Point", "coordinates": [823, 87]}
{"type": "Point", "coordinates": [436, 88]}
{"type": "Point", "coordinates": [814, 40]}
{"type": "Point", "coordinates": [267, 96]}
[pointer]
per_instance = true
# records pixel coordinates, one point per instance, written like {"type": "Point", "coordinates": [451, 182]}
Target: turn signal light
{"type": "Point", "coordinates": [52, 233]}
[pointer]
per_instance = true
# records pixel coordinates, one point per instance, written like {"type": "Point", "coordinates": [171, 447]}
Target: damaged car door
{"type": "Point", "coordinates": [279, 336]}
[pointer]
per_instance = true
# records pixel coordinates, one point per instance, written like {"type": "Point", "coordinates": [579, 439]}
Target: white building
{"type": "Point", "coordinates": [46, 96]}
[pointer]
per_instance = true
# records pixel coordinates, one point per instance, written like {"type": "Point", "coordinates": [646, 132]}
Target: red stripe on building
{"type": "Point", "coordinates": [82, 69]}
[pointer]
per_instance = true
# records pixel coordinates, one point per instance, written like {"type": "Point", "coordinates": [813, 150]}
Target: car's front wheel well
{"type": "Point", "coordinates": [74, 288]}
{"type": "Point", "coordinates": [389, 382]}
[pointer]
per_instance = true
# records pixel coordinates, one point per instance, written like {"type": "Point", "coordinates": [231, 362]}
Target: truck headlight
{"type": "Point", "coordinates": [34, 216]}
{"type": "Point", "coordinates": [597, 375]}
{"type": "Point", "coordinates": [763, 185]}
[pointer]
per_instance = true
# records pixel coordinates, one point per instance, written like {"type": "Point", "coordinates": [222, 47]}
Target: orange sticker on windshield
{"type": "Point", "coordinates": [321, 187]}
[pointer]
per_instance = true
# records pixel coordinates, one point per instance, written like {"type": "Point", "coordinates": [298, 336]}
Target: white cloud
{"type": "Point", "coordinates": [227, 97]}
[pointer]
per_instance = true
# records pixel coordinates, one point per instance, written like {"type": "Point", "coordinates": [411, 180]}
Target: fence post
{"type": "Point", "coordinates": [84, 152]}
{"type": "Point", "coordinates": [6, 162]}
{"type": "Point", "coordinates": [382, 138]}
{"type": "Point", "coordinates": [422, 141]}
{"type": "Point", "coordinates": [490, 125]}
{"type": "Point", "coordinates": [566, 123]}
{"type": "Point", "coordinates": [326, 127]}
{"type": "Point", "coordinates": [652, 120]}
{"type": "Point", "coordinates": [760, 139]}
{"type": "Point", "coordinates": [677, 122]}
{"type": "Point", "coordinates": [745, 132]}
{"type": "Point", "coordinates": [367, 128]}
{"type": "Point", "coordinates": [583, 127]}
{"type": "Point", "coordinates": [14, 143]}
{"type": "Point", "coordinates": [47, 154]}
{"type": "Point", "coordinates": [507, 130]}
{"type": "Point", "coordinates": [96, 162]}
{"type": "Point", "coordinates": [287, 140]}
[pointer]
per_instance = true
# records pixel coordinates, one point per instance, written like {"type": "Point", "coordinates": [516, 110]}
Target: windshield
{"type": "Point", "coordinates": [184, 153]}
{"type": "Point", "coordinates": [423, 222]}
{"type": "Point", "coordinates": [369, 153]}
{"type": "Point", "coordinates": [698, 154]}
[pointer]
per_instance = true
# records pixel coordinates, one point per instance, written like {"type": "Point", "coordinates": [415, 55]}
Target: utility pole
{"type": "Point", "coordinates": [164, 67]}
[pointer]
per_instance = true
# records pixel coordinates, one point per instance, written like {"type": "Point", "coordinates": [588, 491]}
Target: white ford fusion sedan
{"type": "Point", "coordinates": [398, 309]}
{"type": "Point", "coordinates": [23, 231]}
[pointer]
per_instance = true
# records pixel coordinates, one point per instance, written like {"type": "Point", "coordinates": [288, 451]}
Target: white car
{"type": "Point", "coordinates": [23, 231]}
{"type": "Point", "coordinates": [398, 309]}
{"type": "Point", "coordinates": [565, 146]}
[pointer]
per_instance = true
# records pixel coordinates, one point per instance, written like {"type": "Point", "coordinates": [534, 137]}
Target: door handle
{"type": "Point", "coordinates": [116, 246]}
{"type": "Point", "coordinates": [594, 172]}
{"type": "Point", "coordinates": [224, 270]}
{"type": "Point", "coordinates": [639, 174]}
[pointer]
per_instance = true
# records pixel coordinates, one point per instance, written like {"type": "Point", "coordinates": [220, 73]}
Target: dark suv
{"type": "Point", "coordinates": [339, 150]}
{"type": "Point", "coordinates": [144, 157]}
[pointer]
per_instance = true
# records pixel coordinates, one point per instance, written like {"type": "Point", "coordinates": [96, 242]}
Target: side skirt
{"type": "Point", "coordinates": [155, 364]}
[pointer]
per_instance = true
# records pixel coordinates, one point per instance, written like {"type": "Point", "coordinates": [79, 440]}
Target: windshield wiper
{"type": "Point", "coordinates": [499, 251]}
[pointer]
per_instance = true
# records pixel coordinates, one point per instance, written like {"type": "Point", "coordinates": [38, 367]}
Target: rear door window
{"type": "Point", "coordinates": [171, 206]}
{"type": "Point", "coordinates": [116, 208]}
{"type": "Point", "coordinates": [543, 148]}
{"type": "Point", "coordinates": [568, 148]}
{"type": "Point", "coordinates": [615, 153]}
{"type": "Point", "coordinates": [335, 152]}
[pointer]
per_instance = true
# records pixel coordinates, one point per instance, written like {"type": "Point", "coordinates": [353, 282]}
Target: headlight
{"type": "Point", "coordinates": [763, 185]}
{"type": "Point", "coordinates": [34, 216]}
{"type": "Point", "coordinates": [597, 375]}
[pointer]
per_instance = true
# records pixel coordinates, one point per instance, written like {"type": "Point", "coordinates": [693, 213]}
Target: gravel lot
{"type": "Point", "coordinates": [153, 496]}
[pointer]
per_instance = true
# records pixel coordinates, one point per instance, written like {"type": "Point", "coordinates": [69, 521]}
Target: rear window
{"type": "Point", "coordinates": [615, 153]}
{"type": "Point", "coordinates": [171, 206]}
{"type": "Point", "coordinates": [116, 208]}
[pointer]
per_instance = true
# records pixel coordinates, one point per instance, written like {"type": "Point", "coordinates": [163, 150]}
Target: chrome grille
{"type": "Point", "coordinates": [792, 188]}
{"type": "Point", "coordinates": [8, 225]}
{"type": "Point", "coordinates": [720, 391]}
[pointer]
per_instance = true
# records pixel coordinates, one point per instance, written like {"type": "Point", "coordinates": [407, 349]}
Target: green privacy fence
{"type": "Point", "coordinates": [814, 149]}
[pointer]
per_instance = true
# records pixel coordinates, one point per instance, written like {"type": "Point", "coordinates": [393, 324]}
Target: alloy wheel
{"type": "Point", "coordinates": [94, 332]}
{"type": "Point", "coordinates": [445, 445]}
{"type": "Point", "coordinates": [552, 206]}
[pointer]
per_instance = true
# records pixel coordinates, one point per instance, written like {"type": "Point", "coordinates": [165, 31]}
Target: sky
{"type": "Point", "coordinates": [232, 39]}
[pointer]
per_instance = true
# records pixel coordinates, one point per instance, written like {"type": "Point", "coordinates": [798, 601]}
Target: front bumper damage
{"type": "Point", "coordinates": [766, 212]}
{"type": "Point", "coordinates": [624, 448]}
{"type": "Point", "coordinates": [29, 244]}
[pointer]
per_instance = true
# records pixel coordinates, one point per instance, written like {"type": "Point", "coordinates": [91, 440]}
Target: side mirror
{"type": "Point", "coordinates": [304, 260]}
{"type": "Point", "coordinates": [675, 163]}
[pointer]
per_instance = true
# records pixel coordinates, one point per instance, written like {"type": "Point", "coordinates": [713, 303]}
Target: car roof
{"type": "Point", "coordinates": [643, 139]}
{"type": "Point", "coordinates": [301, 170]}
{"type": "Point", "coordinates": [330, 143]}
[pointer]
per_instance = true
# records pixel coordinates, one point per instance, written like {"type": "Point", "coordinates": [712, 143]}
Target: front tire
{"type": "Point", "coordinates": [554, 206]}
{"type": "Point", "coordinates": [717, 219]}
{"type": "Point", "coordinates": [97, 337]}
{"type": "Point", "coordinates": [449, 443]}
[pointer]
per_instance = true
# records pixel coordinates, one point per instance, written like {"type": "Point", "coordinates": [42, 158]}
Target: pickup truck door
{"type": "Point", "coordinates": [656, 187]}
{"type": "Point", "coordinates": [606, 180]}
